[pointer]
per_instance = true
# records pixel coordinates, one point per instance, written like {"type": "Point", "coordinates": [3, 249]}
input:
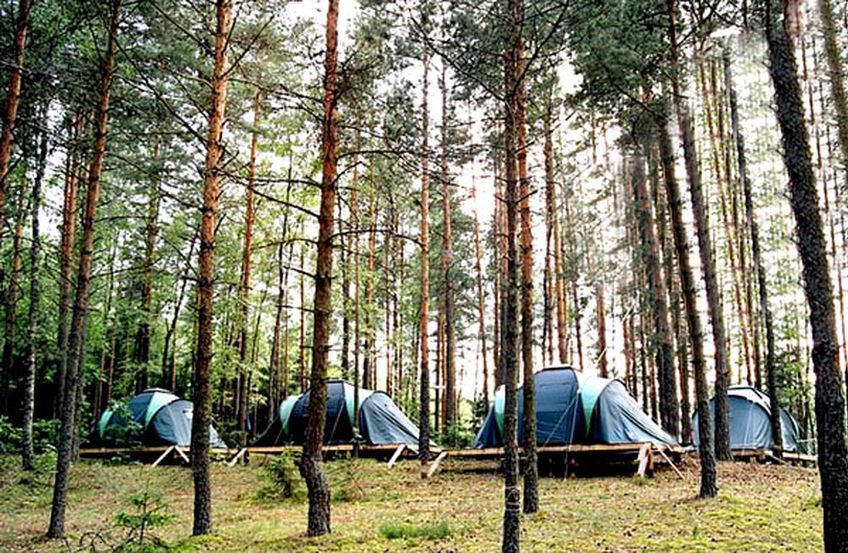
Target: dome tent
{"type": "Point", "coordinates": [381, 422]}
{"type": "Point", "coordinates": [161, 418]}
{"type": "Point", "coordinates": [575, 409]}
{"type": "Point", "coordinates": [750, 421]}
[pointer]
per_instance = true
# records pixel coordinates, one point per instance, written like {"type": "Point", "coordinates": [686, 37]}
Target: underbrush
{"type": "Point", "coordinates": [395, 531]}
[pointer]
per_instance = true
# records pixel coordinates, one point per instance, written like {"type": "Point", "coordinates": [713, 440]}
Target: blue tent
{"type": "Point", "coordinates": [159, 418]}
{"type": "Point", "coordinates": [575, 409]}
{"type": "Point", "coordinates": [750, 421]}
{"type": "Point", "coordinates": [381, 421]}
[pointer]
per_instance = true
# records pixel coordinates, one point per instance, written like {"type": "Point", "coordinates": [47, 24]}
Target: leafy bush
{"type": "Point", "coordinates": [283, 481]}
{"type": "Point", "coordinates": [127, 434]}
{"type": "Point", "coordinates": [394, 531]}
{"type": "Point", "coordinates": [10, 436]}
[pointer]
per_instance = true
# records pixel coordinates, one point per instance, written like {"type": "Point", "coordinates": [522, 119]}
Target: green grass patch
{"type": "Point", "coordinates": [397, 531]}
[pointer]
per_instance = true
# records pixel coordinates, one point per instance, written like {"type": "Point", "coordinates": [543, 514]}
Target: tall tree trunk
{"type": "Point", "coordinates": [424, 304]}
{"type": "Point", "coordinates": [310, 464]}
{"type": "Point", "coordinates": [830, 403]}
{"type": "Point", "coordinates": [244, 285]}
{"type": "Point", "coordinates": [657, 293]}
{"type": "Point", "coordinates": [709, 487]}
{"type": "Point", "coordinates": [12, 99]}
{"type": "Point", "coordinates": [66, 254]}
{"type": "Point", "coordinates": [10, 326]}
{"type": "Point", "coordinates": [513, 64]}
{"type": "Point", "coordinates": [27, 454]}
{"type": "Point", "coordinates": [169, 351]}
{"type": "Point", "coordinates": [753, 229]}
{"type": "Point", "coordinates": [301, 350]}
{"type": "Point", "coordinates": [76, 350]}
{"type": "Point", "coordinates": [450, 333]}
{"type": "Point", "coordinates": [202, 389]}
{"type": "Point", "coordinates": [603, 369]}
{"type": "Point", "coordinates": [531, 461]}
{"type": "Point", "coordinates": [705, 249]}
{"type": "Point", "coordinates": [480, 306]}
{"type": "Point", "coordinates": [836, 75]}
{"type": "Point", "coordinates": [143, 338]}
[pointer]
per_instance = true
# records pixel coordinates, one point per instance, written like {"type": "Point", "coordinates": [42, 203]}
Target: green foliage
{"type": "Point", "coordinates": [126, 434]}
{"type": "Point", "coordinates": [458, 435]}
{"type": "Point", "coordinates": [282, 480]}
{"type": "Point", "coordinates": [347, 483]}
{"type": "Point", "coordinates": [394, 531]}
{"type": "Point", "coordinates": [149, 511]}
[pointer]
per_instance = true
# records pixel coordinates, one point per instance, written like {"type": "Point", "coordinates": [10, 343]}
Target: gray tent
{"type": "Point", "coordinates": [750, 424]}
{"type": "Point", "coordinates": [158, 417]}
{"type": "Point", "coordinates": [573, 408]}
{"type": "Point", "coordinates": [381, 422]}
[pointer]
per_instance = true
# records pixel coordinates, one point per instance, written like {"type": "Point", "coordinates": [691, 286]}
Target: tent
{"type": "Point", "coordinates": [750, 424]}
{"type": "Point", "coordinates": [572, 408]}
{"type": "Point", "coordinates": [381, 421]}
{"type": "Point", "coordinates": [159, 417]}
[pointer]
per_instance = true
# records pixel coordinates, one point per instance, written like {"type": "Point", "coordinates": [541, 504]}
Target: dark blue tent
{"type": "Point", "coordinates": [750, 422]}
{"type": "Point", "coordinates": [158, 418]}
{"type": "Point", "coordinates": [575, 409]}
{"type": "Point", "coordinates": [381, 422]}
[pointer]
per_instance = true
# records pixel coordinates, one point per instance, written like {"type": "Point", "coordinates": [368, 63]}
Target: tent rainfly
{"type": "Point", "coordinates": [750, 421]}
{"type": "Point", "coordinates": [381, 422]}
{"type": "Point", "coordinates": [161, 418]}
{"type": "Point", "coordinates": [572, 408]}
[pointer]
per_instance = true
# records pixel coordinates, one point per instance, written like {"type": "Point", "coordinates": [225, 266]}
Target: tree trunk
{"type": "Point", "coordinates": [450, 335]}
{"type": "Point", "coordinates": [27, 454]}
{"type": "Point", "coordinates": [202, 389]}
{"type": "Point", "coordinates": [513, 64]}
{"type": "Point", "coordinates": [169, 351]}
{"type": "Point", "coordinates": [690, 301]}
{"type": "Point", "coordinates": [7, 359]}
{"type": "Point", "coordinates": [657, 293]}
{"type": "Point", "coordinates": [830, 404]}
{"type": "Point", "coordinates": [76, 351]}
{"type": "Point", "coordinates": [66, 255]}
{"type": "Point", "coordinates": [310, 464]}
{"type": "Point", "coordinates": [531, 461]}
{"type": "Point", "coordinates": [603, 369]}
{"type": "Point", "coordinates": [12, 99]}
{"type": "Point", "coordinates": [244, 287]}
{"type": "Point", "coordinates": [705, 249]}
{"type": "Point", "coordinates": [424, 307]}
{"type": "Point", "coordinates": [753, 229]}
{"type": "Point", "coordinates": [142, 343]}
{"type": "Point", "coordinates": [836, 75]}
{"type": "Point", "coordinates": [480, 306]}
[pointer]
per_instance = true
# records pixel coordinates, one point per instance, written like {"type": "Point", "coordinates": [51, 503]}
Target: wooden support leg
{"type": "Point", "coordinates": [398, 452]}
{"type": "Point", "coordinates": [644, 459]}
{"type": "Point", "coordinates": [238, 456]}
{"type": "Point", "coordinates": [182, 454]}
{"type": "Point", "coordinates": [435, 465]}
{"type": "Point", "coordinates": [162, 457]}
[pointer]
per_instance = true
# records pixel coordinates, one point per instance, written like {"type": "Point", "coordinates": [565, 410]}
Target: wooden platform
{"type": "Point", "coordinates": [643, 455]}
{"type": "Point", "coordinates": [763, 455]}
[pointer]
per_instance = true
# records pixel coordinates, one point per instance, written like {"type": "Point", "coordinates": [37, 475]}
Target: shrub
{"type": "Point", "coordinates": [347, 484]}
{"type": "Point", "coordinates": [149, 511]}
{"type": "Point", "coordinates": [283, 480]}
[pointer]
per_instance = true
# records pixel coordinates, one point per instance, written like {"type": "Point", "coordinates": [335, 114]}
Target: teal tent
{"type": "Point", "coordinates": [573, 408]}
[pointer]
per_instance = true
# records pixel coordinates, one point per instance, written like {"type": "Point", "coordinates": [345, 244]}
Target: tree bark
{"type": "Point", "coordinates": [27, 454]}
{"type": "Point", "coordinates": [447, 260]}
{"type": "Point", "coordinates": [310, 465]}
{"type": "Point", "coordinates": [753, 229]}
{"type": "Point", "coordinates": [705, 248]}
{"type": "Point", "coordinates": [244, 285]}
{"type": "Point", "coordinates": [76, 350]}
{"type": "Point", "coordinates": [512, 81]}
{"type": "Point", "coordinates": [12, 99]}
{"type": "Point", "coordinates": [66, 255]}
{"type": "Point", "coordinates": [657, 293]}
{"type": "Point", "coordinates": [706, 452]}
{"type": "Point", "coordinates": [480, 306]}
{"type": "Point", "coordinates": [830, 403]}
{"type": "Point", "coordinates": [836, 75]}
{"type": "Point", "coordinates": [202, 382]}
{"type": "Point", "coordinates": [424, 307]}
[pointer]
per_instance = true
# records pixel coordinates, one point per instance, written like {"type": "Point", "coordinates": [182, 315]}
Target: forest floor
{"type": "Point", "coordinates": [759, 508]}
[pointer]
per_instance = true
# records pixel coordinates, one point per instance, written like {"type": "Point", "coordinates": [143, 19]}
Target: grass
{"type": "Point", "coordinates": [759, 508]}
